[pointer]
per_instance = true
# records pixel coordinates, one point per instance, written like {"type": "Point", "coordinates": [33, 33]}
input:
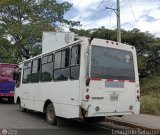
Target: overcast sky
{"type": "Point", "coordinates": [141, 14]}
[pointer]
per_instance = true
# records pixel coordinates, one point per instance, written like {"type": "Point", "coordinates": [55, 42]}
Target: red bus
{"type": "Point", "coordinates": [7, 84]}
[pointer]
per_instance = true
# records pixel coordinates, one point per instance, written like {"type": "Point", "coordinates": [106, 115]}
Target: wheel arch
{"type": "Point", "coordinates": [18, 100]}
{"type": "Point", "coordinates": [47, 102]}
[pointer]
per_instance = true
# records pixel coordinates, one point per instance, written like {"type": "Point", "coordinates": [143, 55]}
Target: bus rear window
{"type": "Point", "coordinates": [110, 63]}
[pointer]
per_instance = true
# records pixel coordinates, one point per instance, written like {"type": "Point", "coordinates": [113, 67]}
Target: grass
{"type": "Point", "coordinates": [150, 95]}
{"type": "Point", "coordinates": [150, 104]}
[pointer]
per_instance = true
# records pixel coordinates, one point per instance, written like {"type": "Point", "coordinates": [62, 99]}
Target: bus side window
{"type": "Point", "coordinates": [75, 62]}
{"type": "Point", "coordinates": [35, 70]}
{"type": "Point", "coordinates": [26, 72]}
{"type": "Point", "coordinates": [47, 68]}
{"type": "Point", "coordinates": [61, 65]}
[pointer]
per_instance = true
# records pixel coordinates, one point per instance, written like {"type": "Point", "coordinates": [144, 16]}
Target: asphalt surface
{"type": "Point", "coordinates": [31, 123]}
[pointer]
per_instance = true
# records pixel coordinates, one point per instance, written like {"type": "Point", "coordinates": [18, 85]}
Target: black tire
{"type": "Point", "coordinates": [50, 114]}
{"type": "Point", "coordinates": [0, 99]}
{"type": "Point", "coordinates": [20, 107]}
{"type": "Point", "coordinates": [11, 100]}
{"type": "Point", "coordinates": [94, 119]}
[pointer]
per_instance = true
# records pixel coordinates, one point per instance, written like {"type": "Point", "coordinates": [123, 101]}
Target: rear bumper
{"type": "Point", "coordinates": [111, 114]}
{"type": "Point", "coordinates": [6, 94]}
{"type": "Point", "coordinates": [108, 110]}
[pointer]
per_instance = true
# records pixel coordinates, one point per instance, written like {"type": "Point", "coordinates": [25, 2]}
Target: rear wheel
{"type": "Point", "coordinates": [50, 114]}
{"type": "Point", "coordinates": [20, 107]}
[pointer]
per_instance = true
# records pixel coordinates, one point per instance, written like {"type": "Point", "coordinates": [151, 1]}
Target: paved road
{"type": "Point", "coordinates": [35, 123]}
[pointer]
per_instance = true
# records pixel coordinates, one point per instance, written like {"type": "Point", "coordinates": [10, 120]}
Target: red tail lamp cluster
{"type": "Point", "coordinates": [87, 97]}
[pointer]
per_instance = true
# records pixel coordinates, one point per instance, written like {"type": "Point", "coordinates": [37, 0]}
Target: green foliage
{"type": "Point", "coordinates": [150, 104]}
{"type": "Point", "coordinates": [150, 85]}
{"type": "Point", "coordinates": [81, 32]}
{"type": "Point", "coordinates": [6, 53]}
{"type": "Point", "coordinates": [23, 21]}
{"type": "Point", "coordinates": [142, 62]}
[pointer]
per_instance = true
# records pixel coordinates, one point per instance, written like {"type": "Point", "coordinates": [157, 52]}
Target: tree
{"type": "Point", "coordinates": [23, 21]}
{"type": "Point", "coordinates": [6, 52]}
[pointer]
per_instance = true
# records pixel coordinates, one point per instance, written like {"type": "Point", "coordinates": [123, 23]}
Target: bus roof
{"type": "Point", "coordinates": [95, 40]}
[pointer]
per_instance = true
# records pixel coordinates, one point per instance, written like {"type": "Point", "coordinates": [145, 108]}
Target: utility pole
{"type": "Point", "coordinates": [117, 12]}
{"type": "Point", "coordinates": [118, 22]}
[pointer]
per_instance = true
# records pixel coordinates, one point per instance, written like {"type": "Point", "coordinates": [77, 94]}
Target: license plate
{"type": "Point", "coordinates": [114, 97]}
{"type": "Point", "coordinates": [11, 91]}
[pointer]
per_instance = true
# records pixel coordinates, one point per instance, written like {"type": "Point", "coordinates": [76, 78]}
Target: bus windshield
{"type": "Point", "coordinates": [7, 72]}
{"type": "Point", "coordinates": [110, 63]}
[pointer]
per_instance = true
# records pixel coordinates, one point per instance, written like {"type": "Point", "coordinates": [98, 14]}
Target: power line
{"type": "Point", "coordinates": [70, 13]}
{"type": "Point", "coordinates": [85, 10]}
{"type": "Point", "coordinates": [133, 3]}
{"type": "Point", "coordinates": [112, 4]}
{"type": "Point", "coordinates": [95, 15]}
{"type": "Point", "coordinates": [101, 3]}
{"type": "Point", "coordinates": [133, 14]}
{"type": "Point", "coordinates": [137, 3]}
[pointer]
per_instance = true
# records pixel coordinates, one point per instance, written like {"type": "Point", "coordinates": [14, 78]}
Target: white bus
{"type": "Point", "coordinates": [89, 78]}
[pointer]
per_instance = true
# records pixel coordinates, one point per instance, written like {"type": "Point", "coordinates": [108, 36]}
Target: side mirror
{"type": "Point", "coordinates": [15, 76]}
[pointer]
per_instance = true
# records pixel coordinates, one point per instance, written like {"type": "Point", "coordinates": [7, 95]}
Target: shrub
{"type": "Point", "coordinates": [150, 85]}
{"type": "Point", "coordinates": [150, 104]}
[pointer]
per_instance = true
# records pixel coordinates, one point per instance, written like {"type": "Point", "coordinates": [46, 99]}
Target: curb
{"type": "Point", "coordinates": [133, 125]}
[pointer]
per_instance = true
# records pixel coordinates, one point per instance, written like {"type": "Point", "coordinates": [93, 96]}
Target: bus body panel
{"type": "Point", "coordinates": [34, 96]}
{"type": "Point", "coordinates": [101, 97]}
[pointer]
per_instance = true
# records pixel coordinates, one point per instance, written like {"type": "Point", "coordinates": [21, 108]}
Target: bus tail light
{"type": "Point", "coordinates": [87, 97]}
{"type": "Point", "coordinates": [138, 94]}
